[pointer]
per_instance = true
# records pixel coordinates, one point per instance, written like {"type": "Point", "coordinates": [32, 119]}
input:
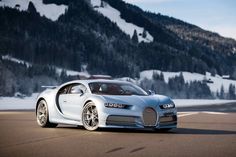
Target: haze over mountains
{"type": "Point", "coordinates": [101, 37]}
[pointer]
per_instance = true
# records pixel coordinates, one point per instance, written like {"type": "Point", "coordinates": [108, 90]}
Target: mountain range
{"type": "Point", "coordinates": [102, 37]}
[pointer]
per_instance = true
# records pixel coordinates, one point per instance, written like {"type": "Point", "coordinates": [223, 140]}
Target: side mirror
{"type": "Point", "coordinates": [151, 92]}
{"type": "Point", "coordinates": [76, 90]}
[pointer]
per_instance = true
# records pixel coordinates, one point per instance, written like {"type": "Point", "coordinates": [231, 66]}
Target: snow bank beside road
{"type": "Point", "coordinates": [200, 102]}
{"type": "Point", "coordinates": [28, 103]}
{"type": "Point", "coordinates": [16, 103]}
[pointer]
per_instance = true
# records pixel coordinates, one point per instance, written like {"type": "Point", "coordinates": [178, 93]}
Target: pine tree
{"type": "Point", "coordinates": [217, 94]}
{"type": "Point", "coordinates": [63, 75]}
{"type": "Point", "coordinates": [161, 76]}
{"type": "Point", "coordinates": [222, 92]}
{"type": "Point", "coordinates": [31, 8]}
{"type": "Point", "coordinates": [135, 37]}
{"type": "Point", "coordinates": [181, 78]}
{"type": "Point", "coordinates": [232, 94]}
{"type": "Point", "coordinates": [144, 35]}
{"type": "Point", "coordinates": [102, 4]}
{"type": "Point", "coordinates": [155, 75]}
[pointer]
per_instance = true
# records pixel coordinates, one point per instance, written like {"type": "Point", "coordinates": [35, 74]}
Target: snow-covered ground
{"type": "Point", "coordinates": [58, 69]}
{"type": "Point", "coordinates": [114, 15]}
{"type": "Point", "coordinates": [200, 102]}
{"type": "Point", "coordinates": [72, 72]}
{"type": "Point", "coordinates": [16, 103]}
{"type": "Point", "coordinates": [234, 50]}
{"type": "Point", "coordinates": [51, 11]}
{"type": "Point", "coordinates": [28, 103]}
{"type": "Point", "coordinates": [128, 79]}
{"type": "Point", "coordinates": [218, 81]}
{"type": "Point", "coordinates": [19, 61]}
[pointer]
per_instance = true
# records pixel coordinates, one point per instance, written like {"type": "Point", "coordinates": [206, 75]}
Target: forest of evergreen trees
{"type": "Point", "coordinates": [177, 87]}
{"type": "Point", "coordinates": [83, 36]}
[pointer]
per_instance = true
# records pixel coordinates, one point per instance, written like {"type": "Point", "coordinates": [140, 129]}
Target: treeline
{"type": "Point", "coordinates": [200, 50]}
{"type": "Point", "coordinates": [177, 87]}
{"type": "Point", "coordinates": [83, 36]}
{"type": "Point", "coordinates": [230, 94]}
{"type": "Point", "coordinates": [25, 80]}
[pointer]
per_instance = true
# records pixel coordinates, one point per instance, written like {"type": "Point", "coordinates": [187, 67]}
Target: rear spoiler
{"type": "Point", "coordinates": [49, 87]}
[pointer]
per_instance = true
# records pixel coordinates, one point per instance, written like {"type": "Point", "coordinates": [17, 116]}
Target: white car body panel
{"type": "Point", "coordinates": [71, 106]}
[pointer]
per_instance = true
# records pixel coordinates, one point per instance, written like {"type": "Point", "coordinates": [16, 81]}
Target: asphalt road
{"type": "Point", "coordinates": [198, 134]}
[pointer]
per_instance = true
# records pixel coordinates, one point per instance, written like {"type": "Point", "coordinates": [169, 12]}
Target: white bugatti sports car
{"type": "Point", "coordinates": [104, 103]}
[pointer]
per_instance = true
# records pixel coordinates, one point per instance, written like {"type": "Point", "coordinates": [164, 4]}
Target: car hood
{"type": "Point", "coordinates": [149, 100]}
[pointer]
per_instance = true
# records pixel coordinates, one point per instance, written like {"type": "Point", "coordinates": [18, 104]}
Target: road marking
{"type": "Point", "coordinates": [183, 114]}
{"type": "Point", "coordinates": [219, 113]}
{"type": "Point", "coordinates": [187, 114]}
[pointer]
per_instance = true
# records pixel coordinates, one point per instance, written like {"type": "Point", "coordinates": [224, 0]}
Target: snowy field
{"type": "Point", "coordinates": [200, 102]}
{"type": "Point", "coordinates": [28, 103]}
{"type": "Point", "coordinates": [58, 69]}
{"type": "Point", "coordinates": [114, 15]}
{"type": "Point", "coordinates": [51, 11]}
{"type": "Point", "coordinates": [15, 103]}
{"type": "Point", "coordinates": [217, 81]}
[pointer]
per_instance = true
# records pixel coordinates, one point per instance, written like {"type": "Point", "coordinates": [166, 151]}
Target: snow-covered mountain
{"type": "Point", "coordinates": [53, 45]}
{"type": "Point", "coordinates": [114, 15]}
{"type": "Point", "coordinates": [51, 11]}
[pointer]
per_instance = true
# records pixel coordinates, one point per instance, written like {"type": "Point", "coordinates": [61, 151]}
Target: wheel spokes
{"type": "Point", "coordinates": [90, 116]}
{"type": "Point", "coordinates": [42, 113]}
{"type": "Point", "coordinates": [94, 122]}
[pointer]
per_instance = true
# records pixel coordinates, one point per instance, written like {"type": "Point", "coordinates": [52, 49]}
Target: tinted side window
{"type": "Point", "coordinates": [64, 90]}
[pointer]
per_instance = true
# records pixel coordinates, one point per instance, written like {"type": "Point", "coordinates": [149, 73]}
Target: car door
{"type": "Point", "coordinates": [62, 99]}
{"type": "Point", "coordinates": [72, 102]}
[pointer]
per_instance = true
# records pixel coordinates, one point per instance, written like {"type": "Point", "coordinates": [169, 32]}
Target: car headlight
{"type": "Point", "coordinates": [115, 105]}
{"type": "Point", "coordinates": [167, 106]}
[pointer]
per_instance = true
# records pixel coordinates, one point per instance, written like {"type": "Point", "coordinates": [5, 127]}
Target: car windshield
{"type": "Point", "coordinates": [105, 88]}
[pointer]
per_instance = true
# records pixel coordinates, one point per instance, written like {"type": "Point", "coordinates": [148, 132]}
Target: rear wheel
{"type": "Point", "coordinates": [90, 116]}
{"type": "Point", "coordinates": [42, 115]}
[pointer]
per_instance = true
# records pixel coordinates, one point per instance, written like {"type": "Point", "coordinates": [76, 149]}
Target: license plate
{"type": "Point", "coordinates": [168, 114]}
{"type": "Point", "coordinates": [167, 119]}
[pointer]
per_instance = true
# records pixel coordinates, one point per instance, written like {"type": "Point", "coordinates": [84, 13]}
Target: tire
{"type": "Point", "coordinates": [42, 115]}
{"type": "Point", "coordinates": [163, 130]}
{"type": "Point", "coordinates": [90, 117]}
{"type": "Point", "coordinates": [166, 129]}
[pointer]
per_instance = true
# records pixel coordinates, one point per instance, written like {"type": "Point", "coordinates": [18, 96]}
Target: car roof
{"type": "Point", "coordinates": [96, 80]}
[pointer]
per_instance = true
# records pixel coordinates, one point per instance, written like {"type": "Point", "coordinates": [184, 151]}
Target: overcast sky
{"type": "Point", "coordinates": [214, 15]}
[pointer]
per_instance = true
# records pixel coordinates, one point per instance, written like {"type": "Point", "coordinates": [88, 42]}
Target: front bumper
{"type": "Point", "coordinates": [163, 120]}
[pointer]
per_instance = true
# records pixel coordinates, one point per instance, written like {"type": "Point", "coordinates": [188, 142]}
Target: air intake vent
{"type": "Point", "coordinates": [149, 117]}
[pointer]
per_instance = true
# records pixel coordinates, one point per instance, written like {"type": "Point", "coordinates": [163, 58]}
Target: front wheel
{"type": "Point", "coordinates": [90, 117]}
{"type": "Point", "coordinates": [42, 115]}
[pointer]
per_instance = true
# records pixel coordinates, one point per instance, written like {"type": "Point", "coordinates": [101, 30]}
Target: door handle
{"type": "Point", "coordinates": [64, 101]}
